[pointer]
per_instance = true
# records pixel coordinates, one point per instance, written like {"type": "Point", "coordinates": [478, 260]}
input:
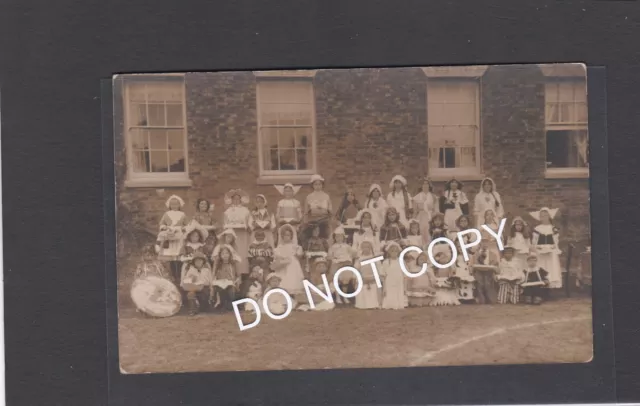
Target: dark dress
{"type": "Point", "coordinates": [532, 276]}
{"type": "Point", "coordinates": [393, 232]}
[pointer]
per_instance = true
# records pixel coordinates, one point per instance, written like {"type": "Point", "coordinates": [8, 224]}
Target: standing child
{"type": "Point", "coordinates": [317, 210]}
{"type": "Point", "coordinates": [150, 266]}
{"type": "Point", "coordinates": [317, 247]}
{"type": "Point", "coordinates": [425, 205]}
{"type": "Point", "coordinates": [286, 262]}
{"type": "Point", "coordinates": [535, 281]}
{"type": "Point", "coordinates": [463, 223]}
{"type": "Point", "coordinates": [487, 198]}
{"type": "Point", "coordinates": [484, 264]}
{"type": "Point", "coordinates": [367, 231]}
{"type": "Point", "coordinates": [414, 238]}
{"type": "Point", "coordinates": [204, 217]}
{"type": "Point", "coordinates": [421, 289]}
{"type": "Point", "coordinates": [171, 235]}
{"type": "Point", "coordinates": [393, 229]}
{"type": "Point", "coordinates": [546, 240]}
{"type": "Point", "coordinates": [237, 217]}
{"type": "Point", "coordinates": [226, 237]}
{"type": "Point", "coordinates": [263, 220]}
{"type": "Point", "coordinates": [491, 221]}
{"type": "Point", "coordinates": [196, 279]}
{"type": "Point", "coordinates": [520, 239]}
{"type": "Point", "coordinates": [437, 227]}
{"type": "Point", "coordinates": [260, 252]}
{"type": "Point", "coordinates": [453, 203]}
{"type": "Point", "coordinates": [341, 254]}
{"type": "Point", "coordinates": [347, 213]}
{"type": "Point", "coordinates": [394, 296]}
{"type": "Point", "coordinates": [289, 210]}
{"type": "Point", "coordinates": [446, 292]}
{"type": "Point", "coordinates": [377, 205]}
{"type": "Point", "coordinates": [225, 278]}
{"type": "Point", "coordinates": [400, 199]}
{"type": "Point", "coordinates": [464, 280]}
{"type": "Point", "coordinates": [509, 277]}
{"type": "Point", "coordinates": [370, 297]}
{"type": "Point", "coordinates": [196, 235]}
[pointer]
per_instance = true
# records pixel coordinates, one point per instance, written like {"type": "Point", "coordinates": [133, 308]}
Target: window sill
{"type": "Point", "coordinates": [282, 179]}
{"type": "Point", "coordinates": [445, 177]}
{"type": "Point", "coordinates": [567, 173]}
{"type": "Point", "coordinates": [157, 183]}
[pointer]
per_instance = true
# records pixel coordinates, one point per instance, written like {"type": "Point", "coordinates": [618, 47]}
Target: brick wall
{"type": "Point", "coordinates": [370, 125]}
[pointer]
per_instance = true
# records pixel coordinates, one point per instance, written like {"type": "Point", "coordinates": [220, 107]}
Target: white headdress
{"type": "Point", "coordinates": [361, 213]}
{"type": "Point", "coordinates": [374, 187]}
{"type": "Point", "coordinates": [390, 244]}
{"type": "Point", "coordinates": [228, 197]}
{"type": "Point", "coordinates": [294, 234]}
{"type": "Point", "coordinates": [263, 198]}
{"type": "Point", "coordinates": [228, 231]}
{"type": "Point", "coordinates": [339, 230]}
{"type": "Point", "coordinates": [536, 214]}
{"type": "Point", "coordinates": [315, 178]}
{"type": "Point", "coordinates": [493, 185]}
{"type": "Point", "coordinates": [281, 188]}
{"type": "Point", "coordinates": [195, 226]}
{"type": "Point", "coordinates": [400, 178]}
{"type": "Point", "coordinates": [172, 197]}
{"type": "Point", "coordinates": [271, 276]}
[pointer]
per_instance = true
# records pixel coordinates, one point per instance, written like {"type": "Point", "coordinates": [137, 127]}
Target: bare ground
{"type": "Point", "coordinates": [558, 331]}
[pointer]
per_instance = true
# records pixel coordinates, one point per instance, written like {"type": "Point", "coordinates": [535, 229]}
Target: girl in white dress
{"type": "Point", "coordinates": [289, 210]}
{"type": "Point", "coordinates": [171, 236]}
{"type": "Point", "coordinates": [262, 219]}
{"type": "Point", "coordinates": [487, 198]}
{"type": "Point", "coordinates": [446, 292]}
{"type": "Point", "coordinates": [400, 199]}
{"type": "Point", "coordinates": [425, 205]}
{"type": "Point", "coordinates": [237, 217]}
{"type": "Point", "coordinates": [545, 239]}
{"type": "Point", "coordinates": [367, 230]}
{"type": "Point", "coordinates": [394, 285]}
{"type": "Point", "coordinates": [286, 262]}
{"type": "Point", "coordinates": [421, 289]}
{"type": "Point", "coordinates": [226, 237]}
{"type": "Point", "coordinates": [453, 203]}
{"type": "Point", "coordinates": [520, 239]}
{"type": "Point", "coordinates": [376, 204]}
{"type": "Point", "coordinates": [413, 236]}
{"type": "Point", "coordinates": [370, 297]}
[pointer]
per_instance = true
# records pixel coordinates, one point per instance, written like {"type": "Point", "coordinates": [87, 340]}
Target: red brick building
{"type": "Point", "coordinates": [201, 134]}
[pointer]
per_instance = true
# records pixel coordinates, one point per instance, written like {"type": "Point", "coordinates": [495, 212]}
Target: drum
{"type": "Point", "coordinates": [156, 296]}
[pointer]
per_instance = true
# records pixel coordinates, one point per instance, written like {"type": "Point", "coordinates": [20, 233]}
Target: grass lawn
{"type": "Point", "coordinates": [556, 332]}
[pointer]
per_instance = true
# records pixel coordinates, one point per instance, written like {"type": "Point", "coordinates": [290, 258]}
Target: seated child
{"type": "Point", "coordinates": [276, 303]}
{"type": "Point", "coordinates": [421, 289]}
{"type": "Point", "coordinates": [535, 281]}
{"type": "Point", "coordinates": [509, 277]}
{"type": "Point", "coordinates": [150, 265]}
{"type": "Point", "coordinates": [225, 278]}
{"type": "Point", "coordinates": [318, 268]}
{"type": "Point", "coordinates": [370, 297]}
{"type": "Point", "coordinates": [260, 252]}
{"type": "Point", "coordinates": [251, 287]}
{"type": "Point", "coordinates": [196, 281]}
{"type": "Point", "coordinates": [316, 247]}
{"type": "Point", "coordinates": [484, 264]}
{"type": "Point", "coordinates": [340, 255]}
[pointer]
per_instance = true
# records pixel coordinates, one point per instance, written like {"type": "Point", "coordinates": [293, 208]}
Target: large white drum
{"type": "Point", "coordinates": [156, 296]}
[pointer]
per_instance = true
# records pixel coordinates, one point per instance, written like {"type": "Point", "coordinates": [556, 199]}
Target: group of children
{"type": "Point", "coordinates": [258, 250]}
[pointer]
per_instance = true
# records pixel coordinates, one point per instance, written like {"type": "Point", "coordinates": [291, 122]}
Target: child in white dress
{"type": "Point", "coordinates": [171, 236]}
{"type": "Point", "coordinates": [367, 230]}
{"type": "Point", "coordinates": [318, 268]}
{"type": "Point", "coordinates": [453, 203]}
{"type": "Point", "coordinates": [237, 217]}
{"type": "Point", "coordinates": [340, 255]}
{"type": "Point", "coordinates": [370, 297]}
{"type": "Point", "coordinates": [414, 238]}
{"type": "Point", "coordinates": [421, 289]}
{"type": "Point", "coordinates": [446, 293]}
{"type": "Point", "coordinates": [463, 279]}
{"type": "Point", "coordinates": [286, 262]}
{"type": "Point", "coordinates": [289, 210]}
{"type": "Point", "coordinates": [520, 239]}
{"type": "Point", "coordinates": [425, 205]}
{"type": "Point", "coordinates": [394, 285]}
{"type": "Point", "coordinates": [545, 240]}
{"type": "Point", "coordinates": [400, 199]}
{"type": "Point", "coordinates": [263, 220]}
{"type": "Point", "coordinates": [377, 205]}
{"type": "Point", "coordinates": [226, 237]}
{"type": "Point", "coordinates": [487, 198]}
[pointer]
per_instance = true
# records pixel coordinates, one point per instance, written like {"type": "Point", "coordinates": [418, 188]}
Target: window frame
{"type": "Point", "coordinates": [466, 76]}
{"type": "Point", "coordinates": [286, 176]}
{"type": "Point", "coordinates": [565, 172]}
{"type": "Point", "coordinates": [153, 179]}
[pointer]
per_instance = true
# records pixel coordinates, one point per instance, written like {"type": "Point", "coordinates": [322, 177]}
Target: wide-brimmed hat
{"type": "Point", "coordinates": [228, 197]}
{"type": "Point", "coordinates": [281, 188]}
{"type": "Point", "coordinates": [228, 231]}
{"type": "Point", "coordinates": [398, 178]}
{"type": "Point", "coordinates": [316, 177]}
{"type": "Point", "coordinates": [172, 197]}
{"type": "Point", "coordinates": [198, 255]}
{"type": "Point", "coordinates": [536, 214]}
{"type": "Point", "coordinates": [196, 227]}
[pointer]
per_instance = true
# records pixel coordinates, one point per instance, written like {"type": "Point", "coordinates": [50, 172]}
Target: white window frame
{"type": "Point", "coordinates": [565, 74]}
{"type": "Point", "coordinates": [286, 176]}
{"type": "Point", "coordinates": [155, 179]}
{"type": "Point", "coordinates": [460, 74]}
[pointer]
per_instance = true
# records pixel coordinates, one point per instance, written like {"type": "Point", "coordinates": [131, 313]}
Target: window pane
{"type": "Point", "coordinates": [467, 157]}
{"type": "Point", "coordinates": [567, 149]}
{"type": "Point", "coordinates": [158, 140]}
{"type": "Point", "coordinates": [159, 161]}
{"type": "Point", "coordinates": [176, 161]}
{"type": "Point", "coordinates": [303, 137]}
{"type": "Point", "coordinates": [139, 139]}
{"type": "Point", "coordinates": [287, 159]}
{"type": "Point", "coordinates": [174, 115]}
{"type": "Point", "coordinates": [156, 115]}
{"type": "Point", "coordinates": [137, 92]}
{"type": "Point", "coordinates": [434, 157]}
{"type": "Point", "coordinates": [269, 142]}
{"type": "Point", "coordinates": [176, 139]}
{"type": "Point", "coordinates": [303, 159]}
{"type": "Point", "coordinates": [140, 161]}
{"type": "Point", "coordinates": [298, 92]}
{"type": "Point", "coordinates": [581, 112]}
{"type": "Point", "coordinates": [435, 114]}
{"type": "Point", "coordinates": [137, 114]}
{"type": "Point", "coordinates": [447, 158]}
{"type": "Point", "coordinates": [286, 138]}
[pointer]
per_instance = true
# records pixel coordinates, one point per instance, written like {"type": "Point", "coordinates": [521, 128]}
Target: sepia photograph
{"type": "Point", "coordinates": [352, 218]}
